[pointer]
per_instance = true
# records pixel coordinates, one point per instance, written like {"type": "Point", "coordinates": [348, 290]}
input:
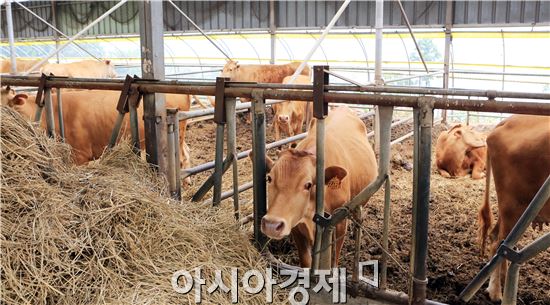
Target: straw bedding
{"type": "Point", "coordinates": [105, 232]}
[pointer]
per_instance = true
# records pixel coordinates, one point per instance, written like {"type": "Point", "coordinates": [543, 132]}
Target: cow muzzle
{"type": "Point", "coordinates": [274, 227]}
{"type": "Point", "coordinates": [283, 118]}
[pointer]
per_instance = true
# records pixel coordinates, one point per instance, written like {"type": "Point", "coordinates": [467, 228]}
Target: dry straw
{"type": "Point", "coordinates": [105, 232]}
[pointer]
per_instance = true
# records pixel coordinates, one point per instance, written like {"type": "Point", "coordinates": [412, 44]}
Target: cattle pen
{"type": "Point", "coordinates": [377, 104]}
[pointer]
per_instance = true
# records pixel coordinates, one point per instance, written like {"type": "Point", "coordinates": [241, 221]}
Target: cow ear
{"type": "Point", "coordinates": [108, 61]}
{"type": "Point", "coordinates": [455, 127]}
{"type": "Point", "coordinates": [473, 139]}
{"type": "Point", "coordinates": [334, 172]}
{"type": "Point", "coordinates": [20, 99]}
{"type": "Point", "coordinates": [268, 162]}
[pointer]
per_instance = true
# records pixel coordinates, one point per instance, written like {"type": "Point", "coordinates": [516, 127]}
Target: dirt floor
{"type": "Point", "coordinates": [454, 257]}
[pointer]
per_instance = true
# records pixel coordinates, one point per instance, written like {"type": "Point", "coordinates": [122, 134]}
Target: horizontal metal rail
{"type": "Point", "coordinates": [271, 90]}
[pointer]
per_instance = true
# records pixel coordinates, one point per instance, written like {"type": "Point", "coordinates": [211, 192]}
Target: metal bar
{"type": "Point", "coordinates": [60, 116]}
{"type": "Point", "coordinates": [420, 230]}
{"type": "Point", "coordinates": [412, 77]}
{"type": "Point", "coordinates": [259, 168]}
{"type": "Point", "coordinates": [448, 41]}
{"type": "Point", "coordinates": [207, 88]}
{"type": "Point", "coordinates": [84, 30]}
{"type": "Point", "coordinates": [152, 68]}
{"type": "Point", "coordinates": [133, 103]}
{"type": "Point", "coordinates": [116, 130]}
{"type": "Point", "coordinates": [272, 31]}
{"type": "Point", "coordinates": [50, 123]}
{"type": "Point", "coordinates": [207, 185]}
{"type": "Point", "coordinates": [385, 234]}
{"type": "Point", "coordinates": [349, 80]}
{"type": "Point", "coordinates": [199, 29]}
{"type": "Point", "coordinates": [379, 26]}
{"type": "Point", "coordinates": [537, 246]}
{"type": "Point", "coordinates": [319, 40]}
{"type": "Point", "coordinates": [321, 258]}
{"type": "Point", "coordinates": [11, 39]}
{"type": "Point", "coordinates": [230, 193]}
{"type": "Point", "coordinates": [232, 149]}
{"type": "Point", "coordinates": [56, 31]}
{"type": "Point", "coordinates": [173, 156]}
{"type": "Point", "coordinates": [509, 297]}
{"type": "Point", "coordinates": [412, 34]}
{"type": "Point", "coordinates": [515, 234]}
{"type": "Point", "coordinates": [218, 169]}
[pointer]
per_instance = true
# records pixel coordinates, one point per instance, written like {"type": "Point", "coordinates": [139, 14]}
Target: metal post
{"type": "Point", "coordinates": [133, 104]}
{"type": "Point", "coordinates": [385, 234]}
{"type": "Point", "coordinates": [422, 171]}
{"type": "Point", "coordinates": [272, 30]}
{"type": "Point", "coordinates": [220, 116]}
{"type": "Point", "coordinates": [173, 156]}
{"type": "Point", "coordinates": [379, 25]}
{"type": "Point", "coordinates": [152, 67]}
{"type": "Point", "coordinates": [448, 41]}
{"type": "Point", "coordinates": [84, 30]}
{"type": "Point", "coordinates": [259, 166]}
{"type": "Point", "coordinates": [50, 123]}
{"type": "Point", "coordinates": [11, 38]}
{"type": "Point", "coordinates": [231, 118]}
{"type": "Point", "coordinates": [320, 110]}
{"type": "Point", "coordinates": [511, 285]}
{"type": "Point", "coordinates": [319, 40]}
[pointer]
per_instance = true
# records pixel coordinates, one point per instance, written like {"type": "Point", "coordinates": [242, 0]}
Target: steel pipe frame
{"type": "Point", "coordinates": [207, 88]}
{"type": "Point", "coordinates": [259, 167]}
{"type": "Point", "coordinates": [174, 182]}
{"type": "Point", "coordinates": [84, 30]}
{"type": "Point", "coordinates": [412, 34]}
{"type": "Point", "coordinates": [510, 241]}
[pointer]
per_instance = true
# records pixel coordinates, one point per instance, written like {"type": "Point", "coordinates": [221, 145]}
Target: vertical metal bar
{"type": "Point", "coordinates": [511, 285]}
{"type": "Point", "coordinates": [320, 110]}
{"type": "Point", "coordinates": [50, 121]}
{"type": "Point", "coordinates": [152, 67]}
{"type": "Point", "coordinates": [259, 166]}
{"type": "Point", "coordinates": [230, 104]}
{"type": "Point", "coordinates": [60, 115]}
{"type": "Point", "coordinates": [379, 25]}
{"type": "Point", "coordinates": [173, 166]}
{"type": "Point", "coordinates": [385, 234]}
{"type": "Point", "coordinates": [272, 30]}
{"type": "Point", "coordinates": [448, 41]}
{"type": "Point", "coordinates": [358, 238]}
{"type": "Point", "coordinates": [11, 38]}
{"type": "Point", "coordinates": [421, 208]}
{"type": "Point", "coordinates": [134, 124]}
{"type": "Point", "coordinates": [220, 120]}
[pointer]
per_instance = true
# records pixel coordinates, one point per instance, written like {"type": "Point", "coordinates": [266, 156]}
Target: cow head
{"type": "Point", "coordinates": [111, 72]}
{"type": "Point", "coordinates": [283, 113]}
{"type": "Point", "coordinates": [9, 98]}
{"type": "Point", "coordinates": [291, 191]}
{"type": "Point", "coordinates": [466, 138]}
{"type": "Point", "coordinates": [230, 68]}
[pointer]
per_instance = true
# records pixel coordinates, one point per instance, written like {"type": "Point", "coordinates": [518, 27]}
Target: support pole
{"type": "Point", "coordinates": [11, 38]}
{"type": "Point", "coordinates": [231, 118]}
{"type": "Point", "coordinates": [421, 201]}
{"type": "Point", "coordinates": [448, 41]}
{"type": "Point", "coordinates": [259, 167]}
{"type": "Point", "coordinates": [320, 111]}
{"type": "Point", "coordinates": [174, 182]}
{"type": "Point", "coordinates": [272, 30]}
{"type": "Point", "coordinates": [220, 120]}
{"type": "Point", "coordinates": [50, 123]}
{"type": "Point", "coordinates": [152, 67]}
{"type": "Point", "coordinates": [379, 25]}
{"type": "Point", "coordinates": [84, 30]}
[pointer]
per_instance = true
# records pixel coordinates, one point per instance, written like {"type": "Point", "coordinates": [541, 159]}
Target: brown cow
{"type": "Point", "coordinates": [22, 65]}
{"type": "Point", "coordinates": [519, 155]}
{"type": "Point", "coordinates": [89, 117]}
{"type": "Point", "coordinates": [459, 151]}
{"type": "Point", "coordinates": [350, 165]}
{"type": "Point", "coordinates": [289, 116]}
{"type": "Point", "coordinates": [260, 73]}
{"type": "Point", "coordinates": [84, 68]}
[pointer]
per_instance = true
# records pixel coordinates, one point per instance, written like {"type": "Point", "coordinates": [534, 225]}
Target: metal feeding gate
{"type": "Point", "coordinates": [321, 93]}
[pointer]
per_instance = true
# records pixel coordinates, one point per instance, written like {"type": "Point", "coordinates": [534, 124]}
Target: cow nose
{"type": "Point", "coordinates": [283, 118]}
{"type": "Point", "coordinates": [273, 227]}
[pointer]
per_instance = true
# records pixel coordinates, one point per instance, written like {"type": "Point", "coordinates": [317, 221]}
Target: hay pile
{"type": "Point", "coordinates": [103, 233]}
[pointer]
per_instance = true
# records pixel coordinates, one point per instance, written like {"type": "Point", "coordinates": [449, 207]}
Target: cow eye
{"type": "Point", "coordinates": [268, 179]}
{"type": "Point", "coordinates": [308, 186]}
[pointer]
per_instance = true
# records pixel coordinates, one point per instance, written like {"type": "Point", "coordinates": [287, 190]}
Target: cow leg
{"type": "Point", "coordinates": [477, 170]}
{"type": "Point", "coordinates": [444, 173]}
{"type": "Point", "coordinates": [304, 247]}
{"type": "Point", "coordinates": [340, 231]}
